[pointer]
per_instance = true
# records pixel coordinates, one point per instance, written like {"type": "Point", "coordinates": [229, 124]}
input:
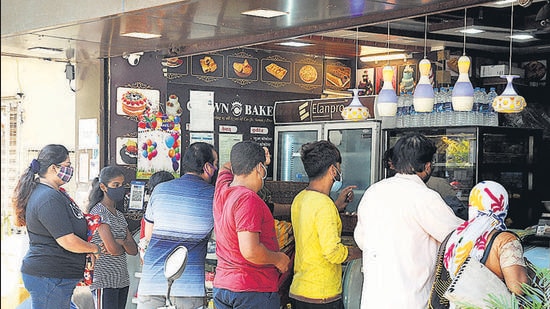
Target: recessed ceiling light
{"type": "Point", "coordinates": [265, 13]}
{"type": "Point", "coordinates": [141, 35]}
{"type": "Point", "coordinates": [471, 31]}
{"type": "Point", "coordinates": [521, 36]}
{"type": "Point", "coordinates": [295, 44]}
{"type": "Point", "coordinates": [46, 50]}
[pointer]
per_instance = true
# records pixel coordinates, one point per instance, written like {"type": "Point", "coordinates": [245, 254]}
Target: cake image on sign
{"type": "Point", "coordinates": [133, 103]}
{"type": "Point", "coordinates": [173, 62]}
{"type": "Point", "coordinates": [308, 74]}
{"type": "Point", "coordinates": [243, 69]}
{"type": "Point", "coordinates": [338, 76]}
{"type": "Point", "coordinates": [275, 70]}
{"type": "Point", "coordinates": [208, 64]}
{"type": "Point", "coordinates": [129, 152]}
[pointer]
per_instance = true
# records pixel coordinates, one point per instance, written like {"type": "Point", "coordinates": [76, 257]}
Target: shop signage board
{"type": "Point", "coordinates": [315, 110]}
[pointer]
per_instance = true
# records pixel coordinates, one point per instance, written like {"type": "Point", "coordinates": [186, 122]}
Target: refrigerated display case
{"type": "Point", "coordinates": [468, 155]}
{"type": "Point", "coordinates": [358, 142]}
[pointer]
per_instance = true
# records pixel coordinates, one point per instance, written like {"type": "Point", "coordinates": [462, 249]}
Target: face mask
{"type": "Point", "coordinates": [337, 184]}
{"type": "Point", "coordinates": [116, 194]}
{"type": "Point", "coordinates": [214, 175]}
{"type": "Point", "coordinates": [65, 173]}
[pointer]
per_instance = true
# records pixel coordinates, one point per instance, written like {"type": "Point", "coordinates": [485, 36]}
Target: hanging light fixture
{"type": "Point", "coordinates": [463, 92]}
{"type": "Point", "coordinates": [509, 101]}
{"type": "Point", "coordinates": [355, 110]}
{"type": "Point", "coordinates": [386, 102]}
{"type": "Point", "coordinates": [423, 97]}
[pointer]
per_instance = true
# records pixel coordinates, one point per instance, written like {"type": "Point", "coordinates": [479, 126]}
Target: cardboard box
{"type": "Point", "coordinates": [498, 70]}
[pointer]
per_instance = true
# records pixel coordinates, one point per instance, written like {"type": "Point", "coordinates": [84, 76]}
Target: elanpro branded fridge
{"type": "Point", "coordinates": [358, 143]}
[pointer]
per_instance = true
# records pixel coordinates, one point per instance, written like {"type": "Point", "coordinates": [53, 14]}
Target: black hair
{"type": "Point", "coordinates": [318, 156]}
{"type": "Point", "coordinates": [387, 160]}
{"type": "Point", "coordinates": [158, 177]}
{"type": "Point", "coordinates": [51, 154]}
{"type": "Point", "coordinates": [196, 156]}
{"type": "Point", "coordinates": [245, 156]}
{"type": "Point", "coordinates": [412, 152]}
{"type": "Point", "coordinates": [107, 174]}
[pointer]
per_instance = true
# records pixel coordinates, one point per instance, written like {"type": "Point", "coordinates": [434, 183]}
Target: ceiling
{"type": "Point", "coordinates": [332, 28]}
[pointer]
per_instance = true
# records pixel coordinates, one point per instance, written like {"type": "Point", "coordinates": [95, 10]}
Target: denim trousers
{"type": "Point", "coordinates": [225, 299]}
{"type": "Point", "coordinates": [48, 293]}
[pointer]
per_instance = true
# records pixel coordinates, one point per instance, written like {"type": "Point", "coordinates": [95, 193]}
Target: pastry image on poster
{"type": "Point", "coordinates": [337, 77]}
{"type": "Point", "coordinates": [407, 78]}
{"type": "Point", "coordinates": [134, 102]}
{"type": "Point", "coordinates": [208, 66]}
{"type": "Point", "coordinates": [127, 150]}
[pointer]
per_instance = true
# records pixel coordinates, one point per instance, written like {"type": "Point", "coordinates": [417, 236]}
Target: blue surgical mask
{"type": "Point", "coordinates": [116, 194]}
{"type": "Point", "coordinates": [337, 184]}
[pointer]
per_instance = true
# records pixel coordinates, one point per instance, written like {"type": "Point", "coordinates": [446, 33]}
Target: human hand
{"type": "Point", "coordinates": [267, 156]}
{"type": "Point", "coordinates": [345, 197]}
{"type": "Point", "coordinates": [283, 262]}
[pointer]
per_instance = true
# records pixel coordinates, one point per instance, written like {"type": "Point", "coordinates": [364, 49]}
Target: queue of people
{"type": "Point", "coordinates": [401, 225]}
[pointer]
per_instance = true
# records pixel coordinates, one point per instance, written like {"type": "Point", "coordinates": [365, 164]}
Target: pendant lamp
{"type": "Point", "coordinates": [463, 92]}
{"type": "Point", "coordinates": [509, 101]}
{"type": "Point", "coordinates": [355, 111]}
{"type": "Point", "coordinates": [423, 97]}
{"type": "Point", "coordinates": [386, 102]}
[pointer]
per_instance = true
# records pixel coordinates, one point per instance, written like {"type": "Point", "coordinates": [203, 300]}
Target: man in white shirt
{"type": "Point", "coordinates": [401, 223]}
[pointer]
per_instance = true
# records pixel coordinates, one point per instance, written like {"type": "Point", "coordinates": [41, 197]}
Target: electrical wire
{"type": "Point", "coordinates": [425, 35]}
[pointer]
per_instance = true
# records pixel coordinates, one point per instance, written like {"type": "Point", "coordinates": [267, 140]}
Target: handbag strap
{"type": "Point", "coordinates": [488, 247]}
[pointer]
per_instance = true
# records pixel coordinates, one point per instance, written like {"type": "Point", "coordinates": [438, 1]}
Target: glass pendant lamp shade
{"type": "Point", "coordinates": [423, 98]}
{"type": "Point", "coordinates": [386, 103]}
{"type": "Point", "coordinates": [463, 92]}
{"type": "Point", "coordinates": [355, 111]}
{"type": "Point", "coordinates": [509, 101]}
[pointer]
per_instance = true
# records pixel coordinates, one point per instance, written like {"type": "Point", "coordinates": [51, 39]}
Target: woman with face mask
{"type": "Point", "coordinates": [111, 281]}
{"type": "Point", "coordinates": [56, 227]}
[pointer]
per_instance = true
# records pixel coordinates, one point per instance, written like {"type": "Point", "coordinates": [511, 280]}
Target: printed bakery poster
{"type": "Point", "coordinates": [127, 151]}
{"type": "Point", "coordinates": [337, 77]}
{"type": "Point", "coordinates": [158, 144]}
{"type": "Point", "coordinates": [201, 110]}
{"type": "Point", "coordinates": [407, 78]}
{"type": "Point", "coordinates": [365, 81]}
{"type": "Point", "coordinates": [535, 71]}
{"type": "Point", "coordinates": [133, 101]}
{"type": "Point", "coordinates": [380, 78]}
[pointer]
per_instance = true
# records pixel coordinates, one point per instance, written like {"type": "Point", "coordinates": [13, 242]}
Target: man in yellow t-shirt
{"type": "Point", "coordinates": [317, 280]}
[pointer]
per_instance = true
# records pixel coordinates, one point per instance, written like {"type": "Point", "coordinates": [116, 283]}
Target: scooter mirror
{"type": "Point", "coordinates": [175, 263]}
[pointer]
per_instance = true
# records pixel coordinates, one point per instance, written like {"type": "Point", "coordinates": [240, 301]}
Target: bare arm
{"type": "Point", "coordinates": [514, 276]}
{"type": "Point", "coordinates": [255, 252]}
{"type": "Point", "coordinates": [129, 243]}
{"type": "Point", "coordinates": [111, 245]}
{"type": "Point", "coordinates": [345, 197]}
{"type": "Point", "coordinates": [73, 243]}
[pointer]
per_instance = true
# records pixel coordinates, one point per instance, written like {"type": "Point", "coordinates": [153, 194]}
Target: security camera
{"type": "Point", "coordinates": [133, 59]}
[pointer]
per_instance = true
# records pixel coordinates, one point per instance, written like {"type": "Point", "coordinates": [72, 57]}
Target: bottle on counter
{"type": "Point", "coordinates": [399, 114]}
{"type": "Point", "coordinates": [407, 107]}
{"type": "Point", "coordinates": [491, 116]}
{"type": "Point", "coordinates": [483, 107]}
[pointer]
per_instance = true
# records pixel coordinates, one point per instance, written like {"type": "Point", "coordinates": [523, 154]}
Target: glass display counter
{"type": "Point", "coordinates": [470, 154]}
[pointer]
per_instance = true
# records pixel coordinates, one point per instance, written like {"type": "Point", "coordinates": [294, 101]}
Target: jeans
{"type": "Point", "coordinates": [110, 297]}
{"type": "Point", "coordinates": [47, 293]}
{"type": "Point", "coordinates": [157, 301]}
{"type": "Point", "coordinates": [225, 299]}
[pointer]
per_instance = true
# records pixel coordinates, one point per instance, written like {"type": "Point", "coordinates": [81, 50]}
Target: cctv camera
{"type": "Point", "coordinates": [133, 59]}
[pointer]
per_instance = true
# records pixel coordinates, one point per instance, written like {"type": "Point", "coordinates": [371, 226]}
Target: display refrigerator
{"type": "Point", "coordinates": [467, 155]}
{"type": "Point", "coordinates": [358, 142]}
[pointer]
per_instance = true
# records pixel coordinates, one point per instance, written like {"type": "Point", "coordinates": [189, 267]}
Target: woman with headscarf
{"type": "Point", "coordinates": [488, 206]}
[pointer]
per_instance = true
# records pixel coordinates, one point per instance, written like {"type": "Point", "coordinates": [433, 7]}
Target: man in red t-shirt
{"type": "Point", "coordinates": [249, 260]}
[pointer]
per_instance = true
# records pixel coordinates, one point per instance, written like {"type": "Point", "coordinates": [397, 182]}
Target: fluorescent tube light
{"type": "Point", "coordinates": [141, 35]}
{"type": "Point", "coordinates": [265, 13]}
{"type": "Point", "coordinates": [521, 36]}
{"type": "Point", "coordinates": [471, 31]}
{"type": "Point", "coordinates": [384, 57]}
{"type": "Point", "coordinates": [295, 44]}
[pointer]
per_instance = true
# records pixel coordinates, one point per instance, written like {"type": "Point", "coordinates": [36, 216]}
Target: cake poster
{"type": "Point", "coordinates": [127, 151]}
{"type": "Point", "coordinates": [407, 78]}
{"type": "Point", "coordinates": [133, 101]}
{"type": "Point", "coordinates": [159, 144]}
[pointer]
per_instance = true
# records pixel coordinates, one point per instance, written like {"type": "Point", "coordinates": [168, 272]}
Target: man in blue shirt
{"type": "Point", "coordinates": [179, 212]}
